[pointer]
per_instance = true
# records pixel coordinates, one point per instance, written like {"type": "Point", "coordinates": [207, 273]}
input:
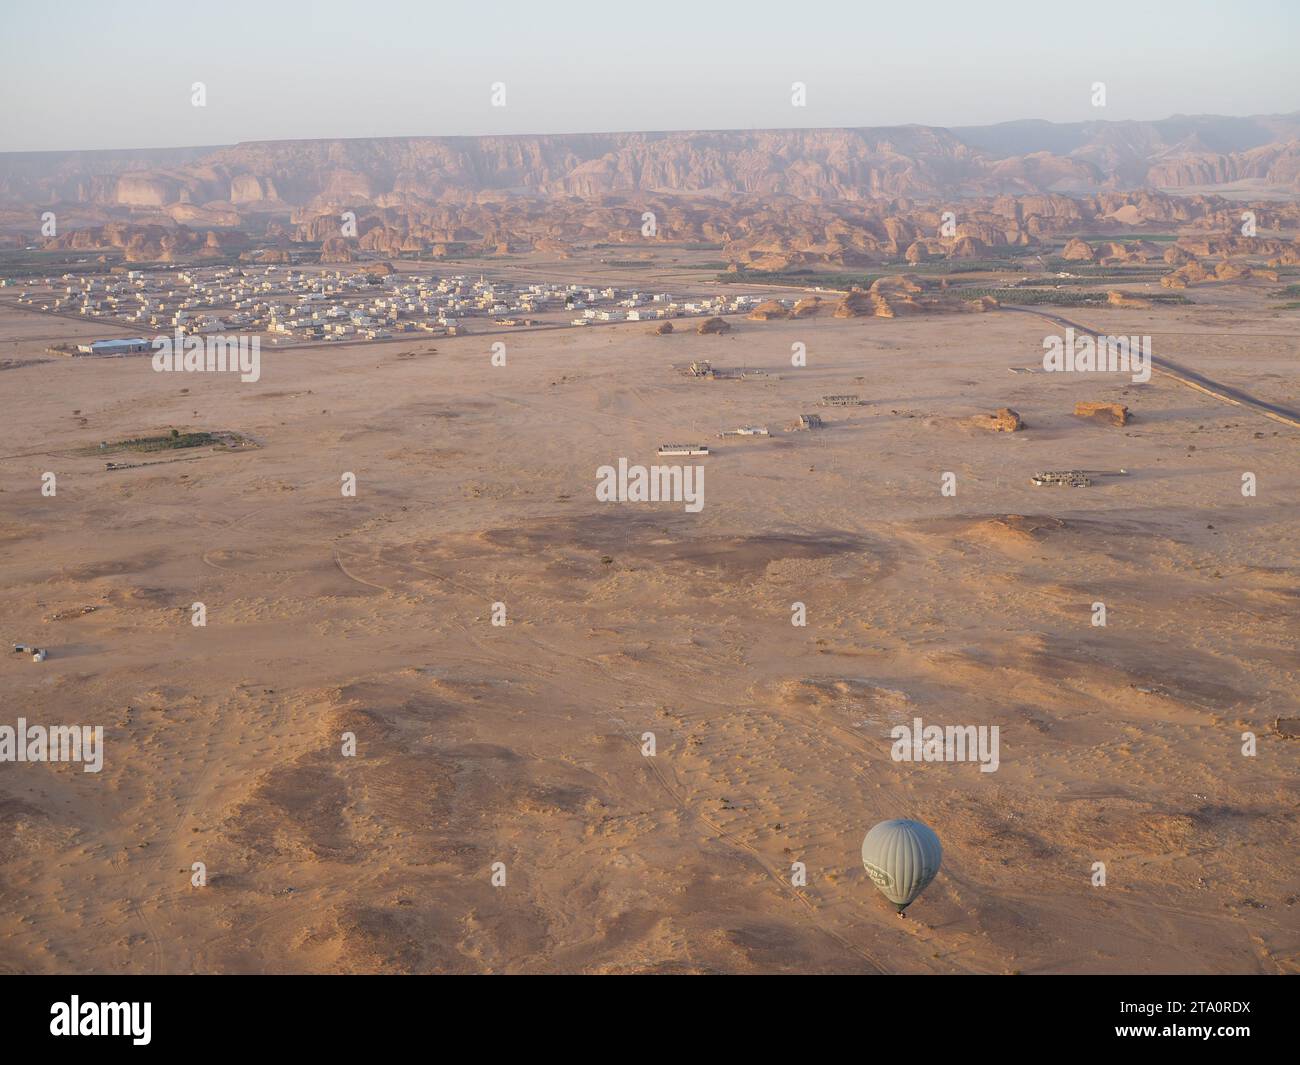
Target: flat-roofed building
{"type": "Point", "coordinates": [115, 347]}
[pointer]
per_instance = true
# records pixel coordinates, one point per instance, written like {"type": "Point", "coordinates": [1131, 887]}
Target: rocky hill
{"type": "Point", "coordinates": [205, 185]}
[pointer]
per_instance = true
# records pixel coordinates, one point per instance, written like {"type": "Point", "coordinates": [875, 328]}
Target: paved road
{"type": "Point", "coordinates": [1191, 378]}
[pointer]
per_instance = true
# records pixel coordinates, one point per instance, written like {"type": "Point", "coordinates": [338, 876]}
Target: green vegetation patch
{"type": "Point", "coordinates": [173, 441]}
{"type": "Point", "coordinates": [23, 263]}
{"type": "Point", "coordinates": [1033, 297]}
{"type": "Point", "coordinates": [802, 278]}
{"type": "Point", "coordinates": [1155, 238]}
{"type": "Point", "coordinates": [1056, 264]}
{"type": "Point", "coordinates": [963, 266]}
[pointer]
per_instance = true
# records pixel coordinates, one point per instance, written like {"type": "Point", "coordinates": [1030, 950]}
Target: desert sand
{"type": "Point", "coordinates": [522, 744]}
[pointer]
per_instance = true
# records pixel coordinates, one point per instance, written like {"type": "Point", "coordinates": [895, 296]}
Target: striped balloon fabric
{"type": "Point", "coordinates": [901, 857]}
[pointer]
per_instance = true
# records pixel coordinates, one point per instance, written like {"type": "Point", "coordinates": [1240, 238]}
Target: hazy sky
{"type": "Point", "coordinates": [108, 74]}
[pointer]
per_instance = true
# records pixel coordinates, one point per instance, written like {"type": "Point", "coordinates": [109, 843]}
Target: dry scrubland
{"type": "Point", "coordinates": [521, 744]}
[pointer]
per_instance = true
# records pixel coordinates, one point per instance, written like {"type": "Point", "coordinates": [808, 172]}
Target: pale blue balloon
{"type": "Point", "coordinates": [901, 857]}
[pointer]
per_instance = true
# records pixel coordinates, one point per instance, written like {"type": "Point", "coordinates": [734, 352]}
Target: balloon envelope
{"type": "Point", "coordinates": [901, 857]}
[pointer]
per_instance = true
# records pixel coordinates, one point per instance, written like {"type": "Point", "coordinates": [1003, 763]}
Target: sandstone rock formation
{"type": "Point", "coordinates": [1122, 299]}
{"type": "Point", "coordinates": [1110, 413]}
{"type": "Point", "coordinates": [336, 250]}
{"type": "Point", "coordinates": [768, 311]}
{"type": "Point", "coordinates": [1230, 271]}
{"type": "Point", "coordinates": [822, 165]}
{"type": "Point", "coordinates": [856, 304]}
{"type": "Point", "coordinates": [1006, 420]}
{"type": "Point", "coordinates": [1184, 276]}
{"type": "Point", "coordinates": [1077, 250]}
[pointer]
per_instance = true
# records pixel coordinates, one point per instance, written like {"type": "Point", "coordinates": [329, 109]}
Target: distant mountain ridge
{"type": "Point", "coordinates": [1210, 132]}
{"type": "Point", "coordinates": [1177, 151]}
{"type": "Point", "coordinates": [918, 162]}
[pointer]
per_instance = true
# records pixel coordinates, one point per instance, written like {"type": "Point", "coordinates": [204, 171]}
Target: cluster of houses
{"type": "Point", "coordinates": [641, 308]}
{"type": "Point", "coordinates": [290, 304]}
{"type": "Point", "coordinates": [214, 300]}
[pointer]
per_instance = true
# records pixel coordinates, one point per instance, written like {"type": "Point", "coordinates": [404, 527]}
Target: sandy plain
{"type": "Point", "coordinates": [521, 744]}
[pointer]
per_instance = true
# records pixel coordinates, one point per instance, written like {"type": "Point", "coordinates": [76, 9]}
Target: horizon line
{"type": "Point", "coordinates": [636, 132]}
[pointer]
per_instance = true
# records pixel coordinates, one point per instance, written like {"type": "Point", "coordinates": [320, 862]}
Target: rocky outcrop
{"type": "Point", "coordinates": [1079, 251]}
{"type": "Point", "coordinates": [968, 248]}
{"type": "Point", "coordinates": [1006, 420]}
{"type": "Point", "coordinates": [1272, 164]}
{"type": "Point", "coordinates": [768, 311]}
{"type": "Point", "coordinates": [145, 190]}
{"type": "Point", "coordinates": [268, 256]}
{"type": "Point", "coordinates": [904, 294]}
{"type": "Point", "coordinates": [857, 304]}
{"type": "Point", "coordinates": [250, 189]}
{"type": "Point", "coordinates": [553, 246]}
{"type": "Point", "coordinates": [1184, 276]}
{"type": "Point", "coordinates": [1123, 299]}
{"type": "Point", "coordinates": [336, 250]}
{"type": "Point", "coordinates": [1110, 413]}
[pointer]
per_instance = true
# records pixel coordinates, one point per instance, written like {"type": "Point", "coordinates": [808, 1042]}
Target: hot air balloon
{"type": "Point", "coordinates": [901, 857]}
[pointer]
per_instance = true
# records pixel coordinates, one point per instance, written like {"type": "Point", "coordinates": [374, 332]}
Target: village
{"type": "Point", "coordinates": [294, 306]}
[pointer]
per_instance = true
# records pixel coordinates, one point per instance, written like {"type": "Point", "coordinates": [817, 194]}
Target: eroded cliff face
{"type": "Point", "coordinates": [760, 233]}
{"type": "Point", "coordinates": [812, 165]}
{"type": "Point", "coordinates": [1273, 164]}
{"type": "Point", "coordinates": [769, 199]}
